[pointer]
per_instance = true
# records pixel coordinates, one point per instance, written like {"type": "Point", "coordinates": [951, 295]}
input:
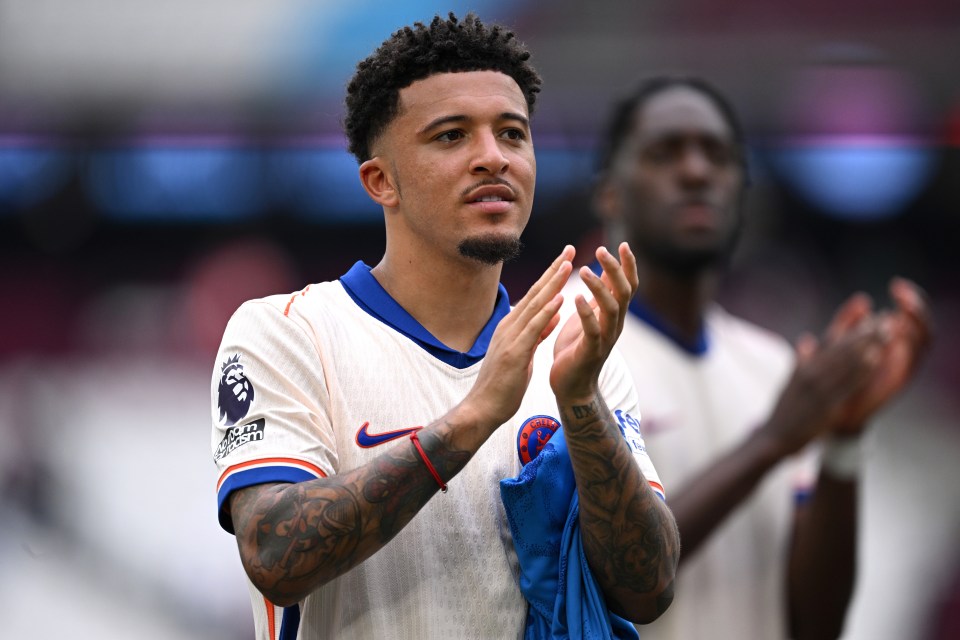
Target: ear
{"type": "Point", "coordinates": [379, 183]}
{"type": "Point", "coordinates": [606, 200]}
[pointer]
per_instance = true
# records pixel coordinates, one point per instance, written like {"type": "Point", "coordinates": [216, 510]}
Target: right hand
{"type": "Point", "coordinates": [508, 365]}
{"type": "Point", "coordinates": [588, 336]}
{"type": "Point", "coordinates": [826, 375]}
{"type": "Point", "coordinates": [911, 333]}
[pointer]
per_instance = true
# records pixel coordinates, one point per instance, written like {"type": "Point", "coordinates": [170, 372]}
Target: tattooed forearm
{"type": "Point", "coordinates": [286, 532]}
{"type": "Point", "coordinates": [295, 537]}
{"type": "Point", "coordinates": [585, 410]}
{"type": "Point", "coordinates": [445, 459]}
{"type": "Point", "coordinates": [629, 536]}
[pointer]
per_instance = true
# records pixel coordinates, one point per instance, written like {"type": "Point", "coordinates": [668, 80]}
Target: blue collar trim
{"type": "Point", "coordinates": [641, 310]}
{"type": "Point", "coordinates": [360, 285]}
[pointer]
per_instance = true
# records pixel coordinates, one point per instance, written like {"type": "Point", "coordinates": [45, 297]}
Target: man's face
{"type": "Point", "coordinates": [676, 185]}
{"type": "Point", "coordinates": [461, 155]}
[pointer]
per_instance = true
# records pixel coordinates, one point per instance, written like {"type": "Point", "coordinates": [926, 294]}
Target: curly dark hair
{"type": "Point", "coordinates": [414, 53]}
{"type": "Point", "coordinates": [621, 119]}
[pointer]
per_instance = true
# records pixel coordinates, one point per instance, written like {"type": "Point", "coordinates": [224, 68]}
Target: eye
{"type": "Point", "coordinates": [514, 134]}
{"type": "Point", "coordinates": [720, 152]}
{"type": "Point", "coordinates": [450, 136]}
{"type": "Point", "coordinates": [662, 151]}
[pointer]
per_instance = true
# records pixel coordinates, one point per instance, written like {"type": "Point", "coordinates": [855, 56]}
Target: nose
{"type": "Point", "coordinates": [695, 166]}
{"type": "Point", "coordinates": [489, 156]}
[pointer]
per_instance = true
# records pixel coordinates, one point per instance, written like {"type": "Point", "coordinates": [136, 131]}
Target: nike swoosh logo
{"type": "Point", "coordinates": [366, 439]}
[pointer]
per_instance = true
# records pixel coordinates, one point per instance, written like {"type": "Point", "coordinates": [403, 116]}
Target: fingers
{"type": "Point", "coordinates": [559, 263]}
{"type": "Point", "coordinates": [588, 319]}
{"type": "Point", "coordinates": [856, 308]}
{"type": "Point", "coordinates": [506, 369]}
{"type": "Point", "coordinates": [620, 277]}
{"type": "Point", "coordinates": [536, 315]}
{"type": "Point", "coordinates": [866, 358]}
{"type": "Point", "coordinates": [546, 287]}
{"type": "Point", "coordinates": [913, 311]}
{"type": "Point", "coordinates": [613, 289]}
{"type": "Point", "coordinates": [826, 375]}
{"type": "Point", "coordinates": [806, 347]}
{"type": "Point", "coordinates": [628, 262]}
{"type": "Point", "coordinates": [532, 324]}
{"type": "Point", "coordinates": [908, 294]}
{"type": "Point", "coordinates": [850, 362]}
{"type": "Point", "coordinates": [554, 318]}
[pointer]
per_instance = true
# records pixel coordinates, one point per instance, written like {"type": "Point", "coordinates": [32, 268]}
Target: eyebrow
{"type": "Point", "coordinates": [442, 120]}
{"type": "Point", "coordinates": [685, 132]}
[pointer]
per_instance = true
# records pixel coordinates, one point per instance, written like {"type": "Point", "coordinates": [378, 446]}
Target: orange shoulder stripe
{"type": "Point", "coordinates": [265, 461]}
{"type": "Point", "coordinates": [303, 291]}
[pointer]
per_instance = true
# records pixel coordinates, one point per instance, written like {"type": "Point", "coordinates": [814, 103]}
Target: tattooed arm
{"type": "Point", "coordinates": [629, 536]}
{"type": "Point", "coordinates": [294, 538]}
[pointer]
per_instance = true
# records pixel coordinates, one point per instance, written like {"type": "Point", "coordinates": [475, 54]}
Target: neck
{"type": "Point", "coordinates": [452, 300]}
{"type": "Point", "coordinates": [679, 300]}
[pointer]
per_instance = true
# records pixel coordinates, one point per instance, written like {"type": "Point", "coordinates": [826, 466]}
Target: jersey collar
{"type": "Point", "coordinates": [360, 285]}
{"type": "Point", "coordinates": [639, 309]}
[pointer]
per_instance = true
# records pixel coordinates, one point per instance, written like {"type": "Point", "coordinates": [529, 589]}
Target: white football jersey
{"type": "Point", "coordinates": [322, 381]}
{"type": "Point", "coordinates": [698, 402]}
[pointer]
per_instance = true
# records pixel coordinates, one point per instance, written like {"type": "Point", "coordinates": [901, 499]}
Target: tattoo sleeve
{"type": "Point", "coordinates": [629, 536]}
{"type": "Point", "coordinates": [296, 537]}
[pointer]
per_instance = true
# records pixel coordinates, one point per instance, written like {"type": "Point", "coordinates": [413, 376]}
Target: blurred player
{"type": "Point", "coordinates": [341, 410]}
{"type": "Point", "coordinates": [726, 404]}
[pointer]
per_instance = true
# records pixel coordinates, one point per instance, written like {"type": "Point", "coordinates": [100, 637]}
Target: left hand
{"type": "Point", "coordinates": [910, 332]}
{"type": "Point", "coordinates": [587, 338]}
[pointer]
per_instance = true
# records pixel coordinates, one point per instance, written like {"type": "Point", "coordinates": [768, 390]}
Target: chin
{"type": "Point", "coordinates": [491, 249]}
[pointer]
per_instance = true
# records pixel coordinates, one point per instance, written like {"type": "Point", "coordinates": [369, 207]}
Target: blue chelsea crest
{"type": "Point", "coordinates": [534, 433]}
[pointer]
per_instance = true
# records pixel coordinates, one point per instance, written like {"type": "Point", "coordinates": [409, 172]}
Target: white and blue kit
{"type": "Point", "coordinates": [699, 401]}
{"type": "Point", "coordinates": [319, 382]}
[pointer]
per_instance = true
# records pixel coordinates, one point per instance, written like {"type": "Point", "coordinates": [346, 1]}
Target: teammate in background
{"type": "Point", "coordinates": [726, 404]}
{"type": "Point", "coordinates": [328, 476]}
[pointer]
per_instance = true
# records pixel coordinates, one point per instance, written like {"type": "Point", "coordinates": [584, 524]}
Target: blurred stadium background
{"type": "Point", "coordinates": [162, 162]}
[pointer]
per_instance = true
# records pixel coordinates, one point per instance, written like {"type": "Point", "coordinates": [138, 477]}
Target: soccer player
{"type": "Point", "coordinates": [341, 410]}
{"type": "Point", "coordinates": [725, 403]}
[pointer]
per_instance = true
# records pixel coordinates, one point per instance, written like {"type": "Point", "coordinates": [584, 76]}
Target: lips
{"type": "Point", "coordinates": [491, 193]}
{"type": "Point", "coordinates": [491, 199]}
{"type": "Point", "coordinates": [697, 214]}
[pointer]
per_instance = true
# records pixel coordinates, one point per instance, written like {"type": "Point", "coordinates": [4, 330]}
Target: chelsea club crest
{"type": "Point", "coordinates": [533, 435]}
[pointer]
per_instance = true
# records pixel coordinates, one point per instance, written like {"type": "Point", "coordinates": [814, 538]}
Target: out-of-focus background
{"type": "Point", "coordinates": [161, 162]}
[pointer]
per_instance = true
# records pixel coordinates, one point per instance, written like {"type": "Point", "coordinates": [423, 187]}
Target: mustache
{"type": "Point", "coordinates": [487, 182]}
{"type": "Point", "coordinates": [697, 202]}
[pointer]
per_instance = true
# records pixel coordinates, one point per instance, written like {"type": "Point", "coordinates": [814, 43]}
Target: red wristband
{"type": "Point", "coordinates": [426, 461]}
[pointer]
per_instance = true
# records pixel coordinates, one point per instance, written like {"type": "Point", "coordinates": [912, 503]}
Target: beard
{"type": "Point", "coordinates": [686, 262]}
{"type": "Point", "coordinates": [490, 249]}
{"type": "Point", "coordinates": [691, 261]}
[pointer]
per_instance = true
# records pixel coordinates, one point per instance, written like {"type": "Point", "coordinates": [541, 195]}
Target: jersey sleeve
{"type": "Point", "coordinates": [620, 394]}
{"type": "Point", "coordinates": [269, 404]}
